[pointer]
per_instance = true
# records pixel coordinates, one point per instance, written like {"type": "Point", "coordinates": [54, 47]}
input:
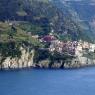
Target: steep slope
{"type": "Point", "coordinates": [85, 10]}
{"type": "Point", "coordinates": [42, 13]}
{"type": "Point", "coordinates": [72, 8]}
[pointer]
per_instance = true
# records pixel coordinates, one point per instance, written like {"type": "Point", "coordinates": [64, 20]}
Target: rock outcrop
{"type": "Point", "coordinates": [79, 62]}
{"type": "Point", "coordinates": [26, 60]}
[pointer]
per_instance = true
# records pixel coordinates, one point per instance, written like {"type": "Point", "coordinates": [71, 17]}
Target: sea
{"type": "Point", "coordinates": [48, 81]}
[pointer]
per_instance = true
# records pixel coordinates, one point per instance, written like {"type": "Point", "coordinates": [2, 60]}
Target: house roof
{"type": "Point", "coordinates": [48, 38]}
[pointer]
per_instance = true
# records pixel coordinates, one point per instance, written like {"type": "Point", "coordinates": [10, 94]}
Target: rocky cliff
{"type": "Point", "coordinates": [26, 60]}
{"type": "Point", "coordinates": [78, 62]}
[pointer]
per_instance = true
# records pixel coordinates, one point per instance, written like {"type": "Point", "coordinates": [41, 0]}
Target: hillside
{"type": "Point", "coordinates": [85, 11]}
{"type": "Point", "coordinates": [79, 14]}
{"type": "Point", "coordinates": [27, 22]}
{"type": "Point", "coordinates": [42, 33]}
{"type": "Point", "coordinates": [41, 13]}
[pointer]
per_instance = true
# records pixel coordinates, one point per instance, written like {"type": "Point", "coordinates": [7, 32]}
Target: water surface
{"type": "Point", "coordinates": [48, 82]}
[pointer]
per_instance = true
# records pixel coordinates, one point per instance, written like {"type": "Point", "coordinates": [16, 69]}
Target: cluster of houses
{"type": "Point", "coordinates": [63, 47]}
{"type": "Point", "coordinates": [84, 47]}
{"type": "Point", "coordinates": [71, 47]}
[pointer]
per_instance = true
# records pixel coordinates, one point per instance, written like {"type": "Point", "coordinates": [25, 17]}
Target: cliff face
{"type": "Point", "coordinates": [26, 60]}
{"type": "Point", "coordinates": [79, 62]}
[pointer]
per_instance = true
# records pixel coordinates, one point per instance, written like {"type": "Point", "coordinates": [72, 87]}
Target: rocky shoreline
{"type": "Point", "coordinates": [26, 62]}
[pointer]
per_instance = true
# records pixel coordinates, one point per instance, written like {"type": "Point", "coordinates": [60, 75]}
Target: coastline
{"type": "Point", "coordinates": [37, 68]}
{"type": "Point", "coordinates": [81, 58]}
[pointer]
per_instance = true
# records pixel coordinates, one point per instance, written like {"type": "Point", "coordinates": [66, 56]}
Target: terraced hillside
{"type": "Point", "coordinates": [20, 20]}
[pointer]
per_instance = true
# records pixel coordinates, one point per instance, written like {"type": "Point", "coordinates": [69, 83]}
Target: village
{"type": "Point", "coordinates": [74, 48]}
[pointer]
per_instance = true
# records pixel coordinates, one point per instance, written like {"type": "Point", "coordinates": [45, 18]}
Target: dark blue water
{"type": "Point", "coordinates": [48, 82]}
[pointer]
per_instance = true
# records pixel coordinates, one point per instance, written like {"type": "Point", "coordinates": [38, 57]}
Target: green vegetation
{"type": "Point", "coordinates": [9, 49]}
{"type": "Point", "coordinates": [40, 14]}
{"type": "Point", "coordinates": [34, 17]}
{"type": "Point", "coordinates": [40, 30]}
{"type": "Point", "coordinates": [15, 33]}
{"type": "Point", "coordinates": [12, 38]}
